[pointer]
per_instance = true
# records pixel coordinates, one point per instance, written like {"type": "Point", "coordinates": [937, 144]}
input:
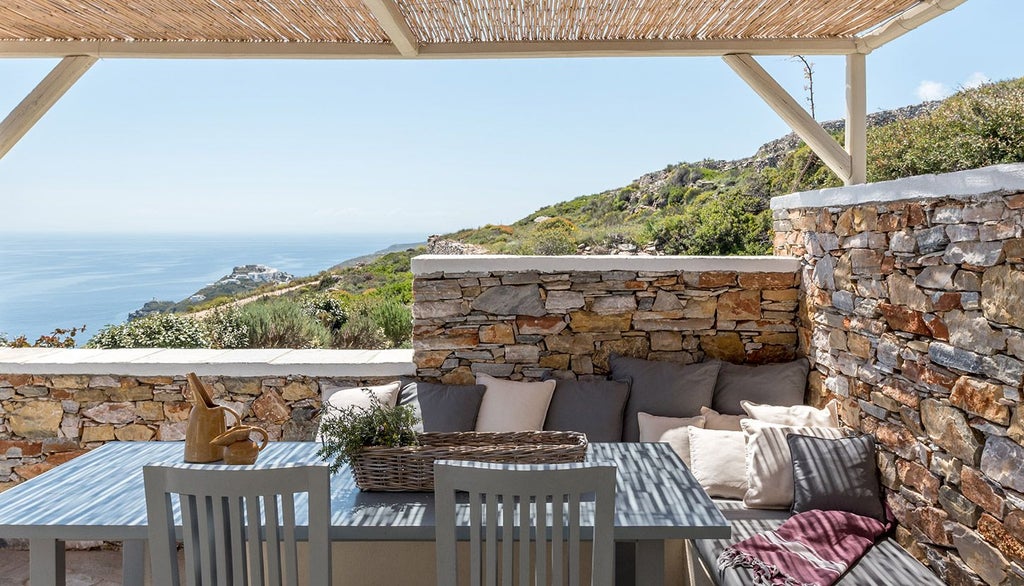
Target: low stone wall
{"type": "Point", "coordinates": [915, 323]}
{"type": "Point", "coordinates": [56, 404]}
{"type": "Point", "coordinates": [532, 317]}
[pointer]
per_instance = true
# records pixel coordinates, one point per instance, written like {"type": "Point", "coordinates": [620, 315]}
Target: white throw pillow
{"type": "Point", "coordinates": [342, 398]}
{"type": "Point", "coordinates": [513, 405]}
{"type": "Point", "coordinates": [715, 420]}
{"type": "Point", "coordinates": [769, 463]}
{"type": "Point", "coordinates": [716, 458]}
{"type": "Point", "coordinates": [671, 430]}
{"type": "Point", "coordinates": [359, 397]}
{"type": "Point", "coordinates": [798, 415]}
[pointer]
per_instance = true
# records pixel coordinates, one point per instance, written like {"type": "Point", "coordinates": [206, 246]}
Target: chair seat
{"type": "Point", "coordinates": [885, 563]}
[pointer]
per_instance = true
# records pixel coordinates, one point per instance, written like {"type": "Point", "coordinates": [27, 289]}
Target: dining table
{"type": "Point", "coordinates": [100, 496]}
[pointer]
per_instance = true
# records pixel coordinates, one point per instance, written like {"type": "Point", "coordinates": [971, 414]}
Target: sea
{"type": "Point", "coordinates": [70, 280]}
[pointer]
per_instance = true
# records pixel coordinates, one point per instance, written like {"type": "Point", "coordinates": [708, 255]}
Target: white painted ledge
{"type": "Point", "coordinates": [994, 180]}
{"type": "Point", "coordinates": [240, 363]}
{"type": "Point", "coordinates": [482, 263]}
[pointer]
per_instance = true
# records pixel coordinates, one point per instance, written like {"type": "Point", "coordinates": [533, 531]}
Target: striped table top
{"type": "Point", "coordinates": [100, 495]}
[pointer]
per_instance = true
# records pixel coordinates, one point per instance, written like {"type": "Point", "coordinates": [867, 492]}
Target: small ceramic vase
{"type": "Point", "coordinates": [238, 448]}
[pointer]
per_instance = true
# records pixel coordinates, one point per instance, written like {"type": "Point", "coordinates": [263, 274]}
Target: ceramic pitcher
{"type": "Point", "coordinates": [206, 421]}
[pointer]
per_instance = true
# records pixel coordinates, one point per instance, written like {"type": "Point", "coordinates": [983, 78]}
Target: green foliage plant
{"type": "Point", "coordinates": [394, 320]}
{"type": "Point", "coordinates": [345, 431]}
{"type": "Point", "coordinates": [282, 323]}
{"type": "Point", "coordinates": [58, 338]}
{"type": "Point", "coordinates": [161, 330]}
{"type": "Point", "coordinates": [226, 329]}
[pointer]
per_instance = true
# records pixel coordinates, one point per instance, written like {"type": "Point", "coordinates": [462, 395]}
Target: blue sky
{"type": "Point", "coordinates": [420, 147]}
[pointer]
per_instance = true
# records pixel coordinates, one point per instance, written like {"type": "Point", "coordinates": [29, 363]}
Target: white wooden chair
{"type": "Point", "coordinates": [238, 525]}
{"type": "Point", "coordinates": [560, 490]}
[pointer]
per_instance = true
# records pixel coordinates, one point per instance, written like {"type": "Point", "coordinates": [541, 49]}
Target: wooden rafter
{"type": "Point", "coordinates": [393, 22]}
{"type": "Point", "coordinates": [821, 142]}
{"type": "Point", "coordinates": [41, 99]}
{"type": "Point", "coordinates": [904, 23]}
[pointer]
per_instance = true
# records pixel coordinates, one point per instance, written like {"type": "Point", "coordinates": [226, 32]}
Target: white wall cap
{"type": "Point", "coordinates": [177, 362]}
{"type": "Point", "coordinates": [997, 179]}
{"type": "Point", "coordinates": [479, 263]}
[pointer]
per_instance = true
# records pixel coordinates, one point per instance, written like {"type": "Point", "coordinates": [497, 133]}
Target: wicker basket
{"type": "Point", "coordinates": [411, 468]}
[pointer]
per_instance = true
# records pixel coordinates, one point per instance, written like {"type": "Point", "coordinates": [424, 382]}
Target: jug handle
{"type": "Point", "coordinates": [266, 436]}
{"type": "Point", "coordinates": [238, 418]}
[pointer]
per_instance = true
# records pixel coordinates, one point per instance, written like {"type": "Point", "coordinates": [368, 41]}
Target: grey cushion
{"type": "Point", "coordinates": [885, 563]}
{"type": "Point", "coordinates": [443, 407]}
{"type": "Point", "coordinates": [593, 407]}
{"type": "Point", "coordinates": [662, 388]}
{"type": "Point", "coordinates": [769, 384]}
{"type": "Point", "coordinates": [836, 474]}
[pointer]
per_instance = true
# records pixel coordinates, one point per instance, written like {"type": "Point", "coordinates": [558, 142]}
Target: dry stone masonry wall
{"type": "Point", "coordinates": [48, 419]}
{"type": "Point", "coordinates": [529, 318]}
{"type": "Point", "coordinates": [914, 321]}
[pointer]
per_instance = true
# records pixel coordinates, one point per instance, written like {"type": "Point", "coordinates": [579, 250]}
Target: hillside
{"type": "Point", "coordinates": [708, 207]}
{"type": "Point", "coordinates": [721, 207]}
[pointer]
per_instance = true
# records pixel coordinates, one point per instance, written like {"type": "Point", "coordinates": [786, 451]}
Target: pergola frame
{"type": "Point", "coordinates": [849, 163]}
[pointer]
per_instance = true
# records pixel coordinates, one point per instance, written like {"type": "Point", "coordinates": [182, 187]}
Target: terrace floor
{"type": "Point", "coordinates": [84, 568]}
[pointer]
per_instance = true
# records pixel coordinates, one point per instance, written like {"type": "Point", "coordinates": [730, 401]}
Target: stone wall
{"type": "Point", "coordinates": [531, 317]}
{"type": "Point", "coordinates": [914, 321]}
{"type": "Point", "coordinates": [49, 413]}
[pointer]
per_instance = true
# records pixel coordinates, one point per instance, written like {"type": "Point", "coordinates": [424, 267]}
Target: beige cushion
{"type": "Point", "coordinates": [341, 398]}
{"type": "Point", "coordinates": [672, 430]}
{"type": "Point", "coordinates": [769, 463]}
{"type": "Point", "coordinates": [359, 397]}
{"type": "Point", "coordinates": [799, 415]}
{"type": "Point", "coordinates": [715, 420]}
{"type": "Point", "coordinates": [716, 461]}
{"type": "Point", "coordinates": [513, 405]}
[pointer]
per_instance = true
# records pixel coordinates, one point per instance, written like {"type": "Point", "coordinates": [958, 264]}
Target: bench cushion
{"type": "Point", "coordinates": [885, 563]}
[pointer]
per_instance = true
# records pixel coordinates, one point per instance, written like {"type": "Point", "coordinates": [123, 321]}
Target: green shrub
{"type": "Point", "coordinates": [328, 310]}
{"type": "Point", "coordinates": [282, 323]}
{"type": "Point", "coordinates": [161, 330]}
{"type": "Point", "coordinates": [225, 328]}
{"type": "Point", "coordinates": [395, 321]}
{"type": "Point", "coordinates": [361, 331]}
{"type": "Point", "coordinates": [727, 223]}
{"type": "Point", "coordinates": [974, 128]}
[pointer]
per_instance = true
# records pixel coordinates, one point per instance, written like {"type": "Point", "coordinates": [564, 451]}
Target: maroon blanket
{"type": "Point", "coordinates": [809, 549]}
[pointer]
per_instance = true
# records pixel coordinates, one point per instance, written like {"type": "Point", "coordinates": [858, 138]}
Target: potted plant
{"type": "Point", "coordinates": [347, 431]}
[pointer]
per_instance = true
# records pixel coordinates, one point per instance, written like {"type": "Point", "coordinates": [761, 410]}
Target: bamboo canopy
{"type": "Point", "coordinates": [442, 28]}
{"type": "Point", "coordinates": [82, 31]}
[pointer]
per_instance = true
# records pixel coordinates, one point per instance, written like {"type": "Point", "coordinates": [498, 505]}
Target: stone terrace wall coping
{"type": "Point", "coordinates": [490, 263]}
{"type": "Point", "coordinates": [997, 179]}
{"type": "Point", "coordinates": [236, 363]}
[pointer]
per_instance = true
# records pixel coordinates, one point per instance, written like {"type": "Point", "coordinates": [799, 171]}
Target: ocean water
{"type": "Point", "coordinates": [63, 281]}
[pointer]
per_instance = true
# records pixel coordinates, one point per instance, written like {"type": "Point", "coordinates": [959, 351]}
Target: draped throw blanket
{"type": "Point", "coordinates": [813, 548]}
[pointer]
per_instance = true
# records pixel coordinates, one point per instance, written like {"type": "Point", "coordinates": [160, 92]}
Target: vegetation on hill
{"type": "Point", "coordinates": [721, 207]}
{"type": "Point", "coordinates": [362, 306]}
{"type": "Point", "coordinates": [705, 208]}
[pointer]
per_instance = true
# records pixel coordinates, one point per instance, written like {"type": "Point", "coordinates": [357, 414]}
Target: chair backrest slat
{"type": "Point", "coordinates": [238, 525]}
{"type": "Point", "coordinates": [523, 493]}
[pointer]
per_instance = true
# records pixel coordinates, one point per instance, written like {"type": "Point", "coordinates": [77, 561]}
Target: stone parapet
{"type": "Point", "coordinates": [534, 317]}
{"type": "Point", "coordinates": [914, 295]}
{"type": "Point", "coordinates": [56, 404]}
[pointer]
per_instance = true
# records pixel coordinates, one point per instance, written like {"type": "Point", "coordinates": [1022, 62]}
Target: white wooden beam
{"type": "Point", "coordinates": [857, 117]}
{"type": "Point", "coordinates": [904, 23]}
{"type": "Point", "coordinates": [533, 49]}
{"type": "Point", "coordinates": [394, 24]}
{"type": "Point", "coordinates": [41, 99]}
{"type": "Point", "coordinates": [821, 142]}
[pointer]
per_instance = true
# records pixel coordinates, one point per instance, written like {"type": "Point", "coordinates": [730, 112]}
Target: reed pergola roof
{"type": "Point", "coordinates": [441, 28]}
{"type": "Point", "coordinates": [82, 31]}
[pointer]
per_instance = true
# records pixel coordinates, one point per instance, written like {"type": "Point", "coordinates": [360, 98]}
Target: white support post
{"type": "Point", "coordinates": [394, 24]}
{"type": "Point", "coordinates": [821, 142]}
{"type": "Point", "coordinates": [41, 99]}
{"type": "Point", "coordinates": [857, 118]}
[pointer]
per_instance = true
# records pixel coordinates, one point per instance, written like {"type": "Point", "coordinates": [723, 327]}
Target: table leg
{"type": "Point", "coordinates": [46, 562]}
{"type": "Point", "coordinates": [650, 562]}
{"type": "Point", "coordinates": [133, 562]}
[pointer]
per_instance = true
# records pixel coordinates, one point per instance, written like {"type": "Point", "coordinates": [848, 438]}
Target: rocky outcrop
{"type": "Point", "coordinates": [438, 245]}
